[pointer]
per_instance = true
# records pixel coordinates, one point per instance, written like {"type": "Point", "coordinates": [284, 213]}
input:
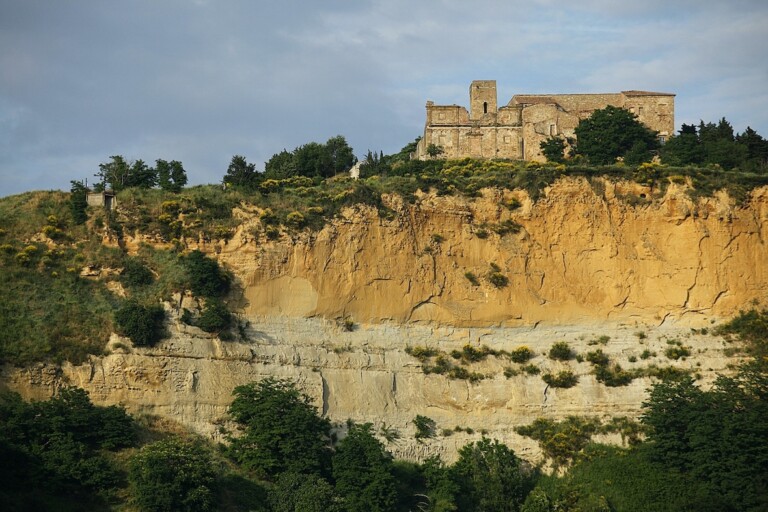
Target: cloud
{"type": "Point", "coordinates": [202, 81]}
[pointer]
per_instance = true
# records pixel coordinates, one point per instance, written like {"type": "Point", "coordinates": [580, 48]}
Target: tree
{"type": "Point", "coordinates": [441, 487]}
{"type": "Point", "coordinates": [313, 159]}
{"type": "Point", "coordinates": [281, 430]}
{"type": "Point", "coordinates": [684, 148]}
{"type": "Point", "coordinates": [294, 492]}
{"type": "Point", "coordinates": [241, 174]}
{"type": "Point", "coordinates": [59, 442]}
{"type": "Point", "coordinates": [205, 277]}
{"type": "Point", "coordinates": [363, 472]}
{"type": "Point", "coordinates": [171, 176]}
{"type": "Point", "coordinates": [490, 478]}
{"type": "Point", "coordinates": [610, 133]}
{"type": "Point", "coordinates": [78, 202]}
{"type": "Point", "coordinates": [342, 157]}
{"type": "Point", "coordinates": [118, 174]}
{"type": "Point", "coordinates": [433, 150]}
{"type": "Point", "coordinates": [143, 324]}
{"type": "Point", "coordinates": [215, 316]}
{"type": "Point", "coordinates": [711, 435]}
{"type": "Point", "coordinates": [720, 146]}
{"type": "Point", "coordinates": [756, 149]}
{"type": "Point", "coordinates": [114, 174]}
{"type": "Point", "coordinates": [554, 149]}
{"type": "Point", "coordinates": [282, 165]}
{"type": "Point", "coordinates": [173, 475]}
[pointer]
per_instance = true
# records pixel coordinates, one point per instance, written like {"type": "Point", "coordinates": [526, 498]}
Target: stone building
{"type": "Point", "coordinates": [516, 130]}
{"type": "Point", "coordinates": [105, 199]}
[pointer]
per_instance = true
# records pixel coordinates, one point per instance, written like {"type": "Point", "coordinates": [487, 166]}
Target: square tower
{"type": "Point", "coordinates": [482, 98]}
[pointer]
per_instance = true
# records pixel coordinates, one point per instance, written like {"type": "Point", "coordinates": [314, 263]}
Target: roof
{"type": "Point", "coordinates": [532, 99]}
{"type": "Point", "coordinates": [646, 93]}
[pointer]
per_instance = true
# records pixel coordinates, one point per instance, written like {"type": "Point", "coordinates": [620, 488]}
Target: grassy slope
{"type": "Point", "coordinates": [49, 312]}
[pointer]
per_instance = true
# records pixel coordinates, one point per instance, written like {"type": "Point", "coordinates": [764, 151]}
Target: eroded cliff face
{"type": "Point", "coordinates": [583, 265]}
{"type": "Point", "coordinates": [579, 257]}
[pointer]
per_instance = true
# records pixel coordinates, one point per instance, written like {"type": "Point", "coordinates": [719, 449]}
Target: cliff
{"type": "Point", "coordinates": [587, 260]}
{"type": "Point", "coordinates": [580, 256]}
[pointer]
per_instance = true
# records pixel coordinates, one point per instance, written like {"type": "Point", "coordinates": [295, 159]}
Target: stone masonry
{"type": "Point", "coordinates": [516, 130]}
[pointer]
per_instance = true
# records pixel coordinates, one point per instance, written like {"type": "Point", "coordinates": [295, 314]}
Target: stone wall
{"type": "Point", "coordinates": [515, 131]}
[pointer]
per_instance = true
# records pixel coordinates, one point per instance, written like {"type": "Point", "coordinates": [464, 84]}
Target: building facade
{"type": "Point", "coordinates": [516, 130]}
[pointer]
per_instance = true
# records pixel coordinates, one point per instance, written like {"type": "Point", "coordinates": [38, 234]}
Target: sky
{"type": "Point", "coordinates": [201, 81]}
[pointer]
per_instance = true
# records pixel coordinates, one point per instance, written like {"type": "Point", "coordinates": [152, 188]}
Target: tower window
{"type": "Point", "coordinates": [485, 107]}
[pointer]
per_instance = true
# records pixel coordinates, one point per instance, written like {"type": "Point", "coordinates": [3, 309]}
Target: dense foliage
{"type": "Point", "coordinates": [119, 174]}
{"type": "Point", "coordinates": [54, 451]}
{"type": "Point", "coordinates": [490, 477]}
{"type": "Point", "coordinates": [362, 470]}
{"type": "Point", "coordinates": [142, 323]}
{"type": "Point", "coordinates": [173, 475]}
{"type": "Point", "coordinates": [716, 144]}
{"type": "Point", "coordinates": [612, 133]}
{"type": "Point", "coordinates": [312, 159]}
{"type": "Point", "coordinates": [281, 430]}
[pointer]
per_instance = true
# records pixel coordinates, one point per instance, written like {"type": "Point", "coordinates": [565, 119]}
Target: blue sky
{"type": "Point", "coordinates": [200, 81]}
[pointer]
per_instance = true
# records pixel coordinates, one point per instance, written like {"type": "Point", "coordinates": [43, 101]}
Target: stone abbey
{"type": "Point", "coordinates": [516, 130]}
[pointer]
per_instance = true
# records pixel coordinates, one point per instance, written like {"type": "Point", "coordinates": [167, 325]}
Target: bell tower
{"type": "Point", "coordinates": [482, 98]}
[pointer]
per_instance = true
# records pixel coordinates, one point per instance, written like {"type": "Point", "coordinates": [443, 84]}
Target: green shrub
{"type": "Point", "coordinates": [561, 441]}
{"type": "Point", "coordinates": [143, 324]}
{"type": "Point", "coordinates": [215, 316]}
{"type": "Point", "coordinates": [498, 279]}
{"type": "Point", "coordinates": [614, 376]}
{"type": "Point", "coordinates": [531, 369]}
{"type": "Point", "coordinates": [470, 354]}
{"type": "Point", "coordinates": [521, 355]}
{"type": "Point", "coordinates": [206, 277]}
{"type": "Point", "coordinates": [173, 475]}
{"type": "Point", "coordinates": [676, 352]}
{"type": "Point", "coordinates": [135, 274]}
{"type": "Point", "coordinates": [425, 427]}
{"type": "Point", "coordinates": [563, 379]}
{"type": "Point", "coordinates": [472, 278]}
{"type": "Point", "coordinates": [561, 351]}
{"type": "Point", "coordinates": [507, 227]}
{"type": "Point", "coordinates": [598, 358]}
{"type": "Point", "coordinates": [421, 353]}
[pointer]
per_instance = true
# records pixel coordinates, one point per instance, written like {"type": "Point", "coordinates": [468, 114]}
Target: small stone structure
{"type": "Point", "coordinates": [516, 130]}
{"type": "Point", "coordinates": [105, 199]}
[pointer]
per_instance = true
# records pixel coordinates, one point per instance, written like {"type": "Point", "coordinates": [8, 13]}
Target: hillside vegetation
{"type": "Point", "coordinates": [63, 290]}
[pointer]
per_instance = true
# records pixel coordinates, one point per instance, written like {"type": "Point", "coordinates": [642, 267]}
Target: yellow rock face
{"type": "Point", "coordinates": [583, 254]}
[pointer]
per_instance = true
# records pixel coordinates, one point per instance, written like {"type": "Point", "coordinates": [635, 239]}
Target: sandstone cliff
{"type": "Point", "coordinates": [585, 263]}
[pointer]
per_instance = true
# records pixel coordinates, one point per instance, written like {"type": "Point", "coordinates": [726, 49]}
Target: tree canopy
{"type": "Point", "coordinates": [241, 174]}
{"type": "Point", "coordinates": [363, 472]}
{"type": "Point", "coordinates": [281, 430]}
{"type": "Point", "coordinates": [171, 176]}
{"type": "Point", "coordinates": [716, 144]}
{"type": "Point", "coordinates": [312, 159]}
{"type": "Point", "coordinates": [173, 475]}
{"type": "Point", "coordinates": [612, 133]}
{"type": "Point", "coordinates": [490, 478]}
